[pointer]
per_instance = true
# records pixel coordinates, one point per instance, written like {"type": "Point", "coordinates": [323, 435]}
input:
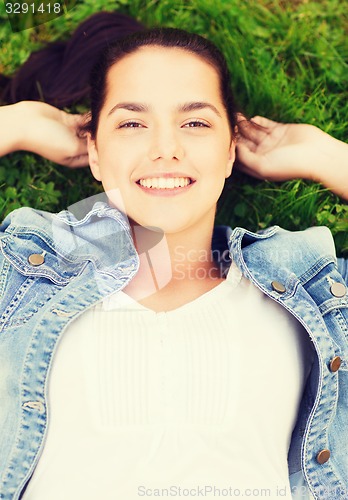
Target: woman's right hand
{"type": "Point", "coordinates": [51, 133]}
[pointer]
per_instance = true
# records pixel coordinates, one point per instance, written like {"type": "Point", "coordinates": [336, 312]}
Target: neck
{"type": "Point", "coordinates": [176, 259]}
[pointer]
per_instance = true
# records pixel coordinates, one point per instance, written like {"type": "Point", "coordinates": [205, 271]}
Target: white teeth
{"type": "Point", "coordinates": [165, 182]}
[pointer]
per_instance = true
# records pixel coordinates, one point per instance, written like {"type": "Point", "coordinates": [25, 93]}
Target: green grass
{"type": "Point", "coordinates": [289, 61]}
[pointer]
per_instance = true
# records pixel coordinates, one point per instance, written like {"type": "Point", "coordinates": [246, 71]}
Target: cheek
{"type": "Point", "coordinates": [124, 154]}
{"type": "Point", "coordinates": [114, 163]}
{"type": "Point", "coordinates": [214, 150]}
{"type": "Point", "coordinates": [215, 166]}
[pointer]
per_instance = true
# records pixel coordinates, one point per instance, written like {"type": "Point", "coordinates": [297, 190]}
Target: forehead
{"type": "Point", "coordinates": [162, 72]}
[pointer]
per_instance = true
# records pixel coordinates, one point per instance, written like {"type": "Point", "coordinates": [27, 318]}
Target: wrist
{"type": "Point", "coordinates": [11, 128]}
{"type": "Point", "coordinates": [27, 125]}
{"type": "Point", "coordinates": [21, 122]}
{"type": "Point", "coordinates": [332, 169]}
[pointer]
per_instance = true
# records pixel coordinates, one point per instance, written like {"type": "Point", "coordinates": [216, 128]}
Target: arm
{"type": "Point", "coordinates": [279, 151]}
{"type": "Point", "coordinates": [44, 130]}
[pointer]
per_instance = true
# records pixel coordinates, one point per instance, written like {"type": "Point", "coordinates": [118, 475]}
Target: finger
{"type": "Point", "coordinates": [75, 121]}
{"type": "Point", "coordinates": [264, 122]}
{"type": "Point", "coordinates": [247, 143]}
{"type": "Point", "coordinates": [76, 161]}
{"type": "Point", "coordinates": [250, 159]}
{"type": "Point", "coordinates": [251, 131]}
{"type": "Point", "coordinates": [241, 117]}
{"type": "Point", "coordinates": [78, 147]}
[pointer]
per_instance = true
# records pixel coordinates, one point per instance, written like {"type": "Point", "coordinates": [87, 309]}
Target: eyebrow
{"type": "Point", "coordinates": [182, 108]}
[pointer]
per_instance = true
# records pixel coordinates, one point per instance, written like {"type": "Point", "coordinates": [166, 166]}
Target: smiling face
{"type": "Point", "coordinates": [163, 139]}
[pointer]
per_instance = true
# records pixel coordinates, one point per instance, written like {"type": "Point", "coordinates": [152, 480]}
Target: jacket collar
{"type": "Point", "coordinates": [276, 254]}
{"type": "Point", "coordinates": [69, 239]}
{"type": "Point", "coordinates": [92, 230]}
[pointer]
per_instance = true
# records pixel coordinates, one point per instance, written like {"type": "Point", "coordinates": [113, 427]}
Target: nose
{"type": "Point", "coordinates": [165, 144]}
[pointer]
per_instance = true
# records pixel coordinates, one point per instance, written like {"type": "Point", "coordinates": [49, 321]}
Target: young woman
{"type": "Point", "coordinates": [143, 351]}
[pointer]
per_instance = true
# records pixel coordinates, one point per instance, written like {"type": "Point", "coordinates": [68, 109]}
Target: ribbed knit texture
{"type": "Point", "coordinates": [206, 394]}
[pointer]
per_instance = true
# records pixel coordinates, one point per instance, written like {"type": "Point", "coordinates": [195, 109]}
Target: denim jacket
{"type": "Point", "coordinates": [53, 267]}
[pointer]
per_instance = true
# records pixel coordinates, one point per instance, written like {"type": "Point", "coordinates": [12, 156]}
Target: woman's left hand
{"type": "Point", "coordinates": [282, 151]}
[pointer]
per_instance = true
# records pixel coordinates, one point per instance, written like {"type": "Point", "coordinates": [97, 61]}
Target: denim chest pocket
{"type": "Point", "coordinates": [32, 256]}
{"type": "Point", "coordinates": [326, 287]}
{"type": "Point", "coordinates": [36, 273]}
{"type": "Point", "coordinates": [329, 291]}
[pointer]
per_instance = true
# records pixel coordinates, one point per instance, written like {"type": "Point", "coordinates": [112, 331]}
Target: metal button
{"type": "Point", "coordinates": [278, 287]}
{"type": "Point", "coordinates": [323, 456]}
{"type": "Point", "coordinates": [36, 259]}
{"type": "Point", "coordinates": [338, 289]}
{"type": "Point", "coordinates": [335, 363]}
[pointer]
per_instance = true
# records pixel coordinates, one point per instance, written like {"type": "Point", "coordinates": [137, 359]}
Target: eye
{"type": "Point", "coordinates": [196, 122]}
{"type": "Point", "coordinates": [130, 124]}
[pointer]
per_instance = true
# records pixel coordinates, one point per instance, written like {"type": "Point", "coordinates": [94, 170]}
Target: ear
{"type": "Point", "coordinates": [231, 158]}
{"type": "Point", "coordinates": [93, 157]}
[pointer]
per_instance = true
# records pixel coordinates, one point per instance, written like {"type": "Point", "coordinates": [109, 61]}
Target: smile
{"type": "Point", "coordinates": [165, 186]}
{"type": "Point", "coordinates": [165, 182]}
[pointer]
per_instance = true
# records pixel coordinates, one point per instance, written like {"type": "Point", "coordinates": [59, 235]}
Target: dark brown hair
{"type": "Point", "coordinates": [162, 37]}
{"type": "Point", "coordinates": [59, 73]}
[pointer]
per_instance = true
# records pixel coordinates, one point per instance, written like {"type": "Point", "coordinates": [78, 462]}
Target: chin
{"type": "Point", "coordinates": [157, 224]}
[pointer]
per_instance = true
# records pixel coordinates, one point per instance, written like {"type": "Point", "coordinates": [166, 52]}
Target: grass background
{"type": "Point", "coordinates": [289, 61]}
